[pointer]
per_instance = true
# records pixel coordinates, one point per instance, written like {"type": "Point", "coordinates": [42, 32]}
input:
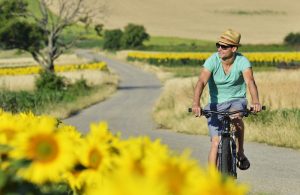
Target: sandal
{"type": "Point", "coordinates": [243, 163]}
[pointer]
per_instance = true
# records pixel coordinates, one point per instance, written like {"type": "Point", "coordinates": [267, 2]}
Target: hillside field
{"type": "Point", "coordinates": [259, 21]}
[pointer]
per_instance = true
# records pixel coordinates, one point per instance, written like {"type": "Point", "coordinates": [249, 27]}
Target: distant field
{"type": "Point", "coordinates": [258, 21]}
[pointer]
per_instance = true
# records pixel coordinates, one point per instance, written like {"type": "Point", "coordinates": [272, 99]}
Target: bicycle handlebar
{"type": "Point", "coordinates": [246, 112]}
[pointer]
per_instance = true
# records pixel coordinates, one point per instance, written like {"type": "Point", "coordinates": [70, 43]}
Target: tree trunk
{"type": "Point", "coordinates": [50, 66]}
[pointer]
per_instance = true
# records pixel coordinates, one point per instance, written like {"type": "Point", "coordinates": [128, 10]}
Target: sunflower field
{"type": "Point", "coordinates": [41, 155]}
{"type": "Point", "coordinates": [58, 68]}
{"type": "Point", "coordinates": [179, 59]}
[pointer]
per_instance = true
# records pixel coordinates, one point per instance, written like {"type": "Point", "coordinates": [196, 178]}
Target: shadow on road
{"type": "Point", "coordinates": [138, 87]}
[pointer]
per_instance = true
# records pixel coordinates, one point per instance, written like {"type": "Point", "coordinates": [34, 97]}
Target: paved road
{"type": "Point", "coordinates": [273, 170]}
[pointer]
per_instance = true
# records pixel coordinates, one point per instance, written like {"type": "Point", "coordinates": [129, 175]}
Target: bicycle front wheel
{"type": "Point", "coordinates": [224, 156]}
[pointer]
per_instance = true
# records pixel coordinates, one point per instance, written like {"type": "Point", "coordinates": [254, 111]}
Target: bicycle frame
{"type": "Point", "coordinates": [227, 133]}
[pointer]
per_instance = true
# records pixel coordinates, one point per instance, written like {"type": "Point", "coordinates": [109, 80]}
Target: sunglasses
{"type": "Point", "coordinates": [224, 47]}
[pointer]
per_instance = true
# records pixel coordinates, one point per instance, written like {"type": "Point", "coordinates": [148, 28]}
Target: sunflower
{"type": "Point", "coordinates": [176, 173]}
{"type": "Point", "coordinates": [71, 132]}
{"type": "Point", "coordinates": [121, 184]}
{"type": "Point", "coordinates": [9, 127]}
{"type": "Point", "coordinates": [80, 177]}
{"type": "Point", "coordinates": [100, 131]}
{"type": "Point", "coordinates": [212, 182]}
{"type": "Point", "coordinates": [94, 162]}
{"type": "Point", "coordinates": [49, 151]}
{"type": "Point", "coordinates": [95, 155]}
{"type": "Point", "coordinates": [135, 154]}
{"type": "Point", "coordinates": [130, 176]}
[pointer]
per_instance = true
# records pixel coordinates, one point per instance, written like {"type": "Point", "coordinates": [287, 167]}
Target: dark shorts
{"type": "Point", "coordinates": [214, 122]}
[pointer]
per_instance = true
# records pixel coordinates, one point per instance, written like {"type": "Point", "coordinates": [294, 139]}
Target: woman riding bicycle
{"type": "Point", "coordinates": [227, 73]}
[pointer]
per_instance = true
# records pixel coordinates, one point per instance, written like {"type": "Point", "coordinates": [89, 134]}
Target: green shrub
{"type": "Point", "coordinates": [51, 90]}
{"type": "Point", "coordinates": [112, 39]}
{"type": "Point", "coordinates": [78, 89]}
{"type": "Point", "coordinates": [18, 101]}
{"type": "Point", "coordinates": [50, 81]}
{"type": "Point", "coordinates": [133, 36]}
{"type": "Point", "coordinates": [292, 39]}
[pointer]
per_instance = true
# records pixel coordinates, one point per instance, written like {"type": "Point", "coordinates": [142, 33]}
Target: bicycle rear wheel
{"type": "Point", "coordinates": [224, 156]}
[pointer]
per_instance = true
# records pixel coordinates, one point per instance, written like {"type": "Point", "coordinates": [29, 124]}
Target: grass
{"type": "Point", "coordinates": [169, 41]}
{"type": "Point", "coordinates": [97, 86]}
{"type": "Point", "coordinates": [279, 125]}
{"type": "Point", "coordinates": [64, 110]}
{"type": "Point", "coordinates": [13, 53]}
{"type": "Point", "coordinates": [177, 44]}
{"type": "Point", "coordinates": [183, 72]}
{"type": "Point", "coordinates": [55, 103]}
{"type": "Point", "coordinates": [105, 84]}
{"type": "Point", "coordinates": [174, 44]}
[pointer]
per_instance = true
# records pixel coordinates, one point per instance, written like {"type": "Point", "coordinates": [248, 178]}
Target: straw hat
{"type": "Point", "coordinates": [230, 37]}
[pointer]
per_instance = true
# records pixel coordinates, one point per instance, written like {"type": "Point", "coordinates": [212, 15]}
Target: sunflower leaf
{"type": "Point", "coordinates": [3, 179]}
{"type": "Point", "coordinates": [4, 148]}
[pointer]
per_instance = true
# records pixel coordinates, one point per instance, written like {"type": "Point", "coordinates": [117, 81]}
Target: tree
{"type": "Point", "coordinates": [133, 36]}
{"type": "Point", "coordinates": [292, 39]}
{"type": "Point", "coordinates": [15, 31]}
{"type": "Point", "coordinates": [112, 39]}
{"type": "Point", "coordinates": [43, 37]}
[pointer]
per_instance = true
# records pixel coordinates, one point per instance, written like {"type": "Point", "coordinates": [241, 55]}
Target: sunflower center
{"type": "Point", "coordinates": [9, 133]}
{"type": "Point", "coordinates": [138, 167]}
{"type": "Point", "coordinates": [95, 158]}
{"type": "Point", "coordinates": [175, 178]}
{"type": "Point", "coordinates": [43, 148]}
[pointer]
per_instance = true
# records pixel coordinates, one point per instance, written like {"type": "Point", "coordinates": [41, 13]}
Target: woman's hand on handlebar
{"type": "Point", "coordinates": [197, 110]}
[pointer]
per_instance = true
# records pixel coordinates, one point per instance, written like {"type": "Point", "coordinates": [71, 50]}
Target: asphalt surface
{"type": "Point", "coordinates": [273, 170]}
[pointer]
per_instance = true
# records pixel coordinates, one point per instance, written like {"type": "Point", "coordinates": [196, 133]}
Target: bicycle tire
{"type": "Point", "coordinates": [225, 166]}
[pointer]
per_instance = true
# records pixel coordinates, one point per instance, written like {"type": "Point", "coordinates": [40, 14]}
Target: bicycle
{"type": "Point", "coordinates": [227, 155]}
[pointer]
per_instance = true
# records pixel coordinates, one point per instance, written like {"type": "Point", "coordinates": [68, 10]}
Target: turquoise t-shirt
{"type": "Point", "coordinates": [224, 87]}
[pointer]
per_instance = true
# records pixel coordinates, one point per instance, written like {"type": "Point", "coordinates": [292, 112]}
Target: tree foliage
{"type": "Point", "coordinates": [15, 30]}
{"type": "Point", "coordinates": [292, 39]}
{"type": "Point", "coordinates": [133, 36]}
{"type": "Point", "coordinates": [41, 34]}
{"type": "Point", "coordinates": [12, 8]}
{"type": "Point", "coordinates": [112, 39]}
{"type": "Point", "coordinates": [22, 35]}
